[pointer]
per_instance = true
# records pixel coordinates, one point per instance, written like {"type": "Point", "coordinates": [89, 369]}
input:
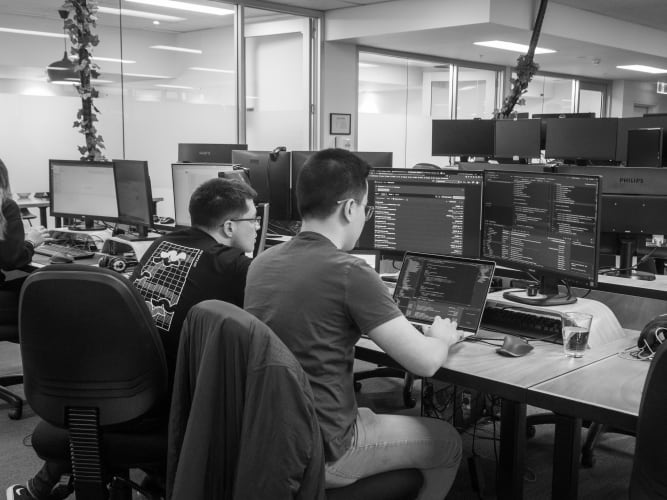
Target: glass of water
{"type": "Point", "coordinates": [576, 328]}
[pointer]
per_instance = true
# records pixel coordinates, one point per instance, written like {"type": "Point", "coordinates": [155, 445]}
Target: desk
{"type": "Point", "coordinates": [33, 202]}
{"type": "Point", "coordinates": [478, 366]}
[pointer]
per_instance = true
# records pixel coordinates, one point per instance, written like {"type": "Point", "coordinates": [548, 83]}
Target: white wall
{"type": "Point", "coordinates": [627, 93]}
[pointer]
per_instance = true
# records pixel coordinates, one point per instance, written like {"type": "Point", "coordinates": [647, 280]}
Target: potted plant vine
{"type": "Point", "coordinates": [79, 24]}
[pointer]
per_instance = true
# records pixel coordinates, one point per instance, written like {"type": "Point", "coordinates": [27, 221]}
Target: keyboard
{"type": "Point", "coordinates": [49, 249]}
{"type": "Point", "coordinates": [535, 325]}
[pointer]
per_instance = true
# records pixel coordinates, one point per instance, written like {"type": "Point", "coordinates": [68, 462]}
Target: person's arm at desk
{"type": "Point", "coordinates": [419, 354]}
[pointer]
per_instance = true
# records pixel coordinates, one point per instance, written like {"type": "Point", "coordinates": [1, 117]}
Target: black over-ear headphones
{"type": "Point", "coordinates": [274, 154]}
{"type": "Point", "coordinates": [118, 264]}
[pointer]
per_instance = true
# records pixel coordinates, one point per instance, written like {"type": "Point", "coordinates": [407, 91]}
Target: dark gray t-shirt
{"type": "Point", "coordinates": [319, 300]}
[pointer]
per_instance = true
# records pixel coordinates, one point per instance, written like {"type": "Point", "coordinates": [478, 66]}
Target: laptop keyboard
{"type": "Point", "coordinates": [49, 249]}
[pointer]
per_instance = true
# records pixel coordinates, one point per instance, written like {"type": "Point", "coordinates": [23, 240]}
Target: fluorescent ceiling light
{"type": "Point", "coordinates": [212, 70]}
{"type": "Point", "coordinates": [113, 59]}
{"type": "Point", "coordinates": [367, 65]}
{"type": "Point", "coordinates": [643, 69]}
{"type": "Point", "coordinates": [514, 47]}
{"type": "Point", "coordinates": [143, 75]}
{"type": "Point", "coordinates": [34, 33]}
{"type": "Point", "coordinates": [176, 49]}
{"type": "Point", "coordinates": [140, 13]}
{"type": "Point", "coordinates": [166, 86]}
{"type": "Point", "coordinates": [172, 4]}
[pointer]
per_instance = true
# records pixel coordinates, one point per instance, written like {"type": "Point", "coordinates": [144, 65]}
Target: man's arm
{"type": "Point", "coordinates": [419, 354]}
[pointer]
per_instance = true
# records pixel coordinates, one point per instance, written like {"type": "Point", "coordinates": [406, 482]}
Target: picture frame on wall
{"type": "Point", "coordinates": [340, 123]}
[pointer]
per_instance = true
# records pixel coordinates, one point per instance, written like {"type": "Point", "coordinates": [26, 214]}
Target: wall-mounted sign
{"type": "Point", "coordinates": [662, 88]}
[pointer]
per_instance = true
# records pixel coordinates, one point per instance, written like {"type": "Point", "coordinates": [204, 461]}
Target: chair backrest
{"type": "Point", "coordinates": [648, 479]}
{"type": "Point", "coordinates": [242, 420]}
{"type": "Point", "coordinates": [88, 341]}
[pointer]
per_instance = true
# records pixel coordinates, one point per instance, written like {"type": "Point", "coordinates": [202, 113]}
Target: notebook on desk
{"type": "Point", "coordinates": [445, 286]}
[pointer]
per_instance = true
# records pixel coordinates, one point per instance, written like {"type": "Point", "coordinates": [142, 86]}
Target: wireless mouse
{"type": "Point", "coordinates": [514, 346]}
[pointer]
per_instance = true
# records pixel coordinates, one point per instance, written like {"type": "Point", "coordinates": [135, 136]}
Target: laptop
{"type": "Point", "coordinates": [446, 286]}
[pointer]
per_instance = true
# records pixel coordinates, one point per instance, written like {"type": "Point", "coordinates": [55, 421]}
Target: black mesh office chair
{"type": "Point", "coordinates": [259, 436]}
{"type": "Point", "coordinates": [648, 480]}
{"type": "Point", "coordinates": [10, 333]}
{"type": "Point", "coordinates": [94, 370]}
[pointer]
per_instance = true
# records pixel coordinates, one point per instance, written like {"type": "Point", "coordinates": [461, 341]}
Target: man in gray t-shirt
{"type": "Point", "coordinates": [319, 300]}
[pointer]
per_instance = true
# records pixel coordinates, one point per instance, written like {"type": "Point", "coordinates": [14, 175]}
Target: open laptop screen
{"type": "Point", "coordinates": [445, 286]}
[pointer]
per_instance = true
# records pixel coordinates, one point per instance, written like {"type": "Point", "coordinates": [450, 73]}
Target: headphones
{"type": "Point", "coordinates": [274, 154]}
{"type": "Point", "coordinates": [653, 334]}
{"type": "Point", "coordinates": [115, 263]}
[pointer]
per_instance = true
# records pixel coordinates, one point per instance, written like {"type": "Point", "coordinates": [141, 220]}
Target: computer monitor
{"type": "Point", "coordinates": [83, 190]}
{"type": "Point", "coordinates": [546, 225]}
{"type": "Point", "coordinates": [646, 148]}
{"type": "Point", "coordinates": [186, 177]}
{"type": "Point", "coordinates": [632, 213]}
{"type": "Point", "coordinates": [543, 117]}
{"type": "Point", "coordinates": [517, 138]}
{"type": "Point", "coordinates": [270, 176]}
{"type": "Point", "coordinates": [238, 173]}
{"type": "Point", "coordinates": [463, 138]}
{"type": "Point", "coordinates": [633, 123]}
{"type": "Point", "coordinates": [587, 139]}
{"type": "Point", "coordinates": [134, 194]}
{"type": "Point", "coordinates": [377, 159]}
{"type": "Point", "coordinates": [429, 211]}
{"type": "Point", "coordinates": [207, 153]}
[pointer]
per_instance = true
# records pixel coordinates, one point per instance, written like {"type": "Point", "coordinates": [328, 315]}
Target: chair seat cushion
{"type": "Point", "coordinates": [402, 484]}
{"type": "Point", "coordinates": [122, 449]}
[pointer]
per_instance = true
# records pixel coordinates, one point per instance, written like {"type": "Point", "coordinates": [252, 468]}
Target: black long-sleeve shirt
{"type": "Point", "coordinates": [15, 251]}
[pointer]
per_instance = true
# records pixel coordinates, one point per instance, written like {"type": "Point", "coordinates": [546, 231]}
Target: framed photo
{"type": "Point", "coordinates": [340, 124]}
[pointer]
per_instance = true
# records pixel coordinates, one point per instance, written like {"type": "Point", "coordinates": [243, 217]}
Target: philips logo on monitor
{"type": "Point", "coordinates": [204, 153]}
{"type": "Point", "coordinates": [631, 180]}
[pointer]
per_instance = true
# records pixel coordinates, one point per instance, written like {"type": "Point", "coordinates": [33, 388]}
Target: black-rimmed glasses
{"type": "Point", "coordinates": [368, 209]}
{"type": "Point", "coordinates": [256, 220]}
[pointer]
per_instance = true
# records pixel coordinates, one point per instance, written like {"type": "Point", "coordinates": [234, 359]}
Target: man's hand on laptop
{"type": "Point", "coordinates": [445, 330]}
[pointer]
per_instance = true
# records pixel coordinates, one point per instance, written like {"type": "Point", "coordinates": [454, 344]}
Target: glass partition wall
{"type": "Point", "coordinates": [167, 75]}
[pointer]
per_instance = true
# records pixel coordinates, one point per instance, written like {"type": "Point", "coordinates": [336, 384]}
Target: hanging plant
{"type": "Point", "coordinates": [79, 24]}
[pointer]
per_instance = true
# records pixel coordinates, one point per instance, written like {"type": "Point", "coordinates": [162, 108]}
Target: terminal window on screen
{"type": "Point", "coordinates": [80, 190]}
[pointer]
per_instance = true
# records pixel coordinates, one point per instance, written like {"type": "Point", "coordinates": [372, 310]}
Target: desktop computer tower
{"type": "Point", "coordinates": [647, 147]}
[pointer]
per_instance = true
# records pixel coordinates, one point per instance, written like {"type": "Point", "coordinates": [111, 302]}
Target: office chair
{"type": "Point", "coordinates": [409, 400]}
{"type": "Point", "coordinates": [27, 215]}
{"type": "Point", "coordinates": [94, 367]}
{"type": "Point", "coordinates": [10, 333]}
{"type": "Point", "coordinates": [648, 480]}
{"type": "Point", "coordinates": [243, 423]}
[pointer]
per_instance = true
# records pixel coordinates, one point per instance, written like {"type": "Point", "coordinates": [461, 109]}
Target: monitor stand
{"type": "Point", "coordinates": [625, 270]}
{"type": "Point", "coordinates": [546, 294]}
{"type": "Point", "coordinates": [87, 225]}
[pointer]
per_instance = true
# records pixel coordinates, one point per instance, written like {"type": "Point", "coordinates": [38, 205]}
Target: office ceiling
{"type": "Point", "coordinates": [573, 57]}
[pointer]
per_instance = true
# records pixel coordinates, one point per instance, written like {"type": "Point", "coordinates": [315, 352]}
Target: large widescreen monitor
{"type": "Point", "coordinates": [463, 138]}
{"type": "Point", "coordinates": [429, 211]}
{"type": "Point", "coordinates": [377, 159]}
{"type": "Point", "coordinates": [546, 225]}
{"type": "Point", "coordinates": [186, 177]}
{"type": "Point", "coordinates": [517, 138]}
{"type": "Point", "coordinates": [299, 159]}
{"type": "Point", "coordinates": [134, 194]}
{"type": "Point", "coordinates": [633, 208]}
{"type": "Point", "coordinates": [207, 153]}
{"type": "Point", "coordinates": [587, 139]}
{"type": "Point", "coordinates": [270, 175]}
{"type": "Point", "coordinates": [83, 190]}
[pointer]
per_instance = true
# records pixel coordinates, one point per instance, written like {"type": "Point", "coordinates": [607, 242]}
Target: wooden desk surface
{"type": "Point", "coordinates": [607, 392]}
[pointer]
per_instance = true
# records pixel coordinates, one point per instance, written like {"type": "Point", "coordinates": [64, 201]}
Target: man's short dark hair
{"type": "Point", "coordinates": [218, 200]}
{"type": "Point", "coordinates": [328, 176]}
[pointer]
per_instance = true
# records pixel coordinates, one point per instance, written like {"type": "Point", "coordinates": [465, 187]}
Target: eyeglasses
{"type": "Point", "coordinates": [256, 220]}
{"type": "Point", "coordinates": [368, 209]}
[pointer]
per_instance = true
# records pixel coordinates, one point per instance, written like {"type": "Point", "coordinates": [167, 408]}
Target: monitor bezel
{"type": "Point", "coordinates": [137, 221]}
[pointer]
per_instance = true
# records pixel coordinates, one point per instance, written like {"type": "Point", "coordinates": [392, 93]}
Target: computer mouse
{"type": "Point", "coordinates": [514, 346]}
{"type": "Point", "coordinates": [61, 258]}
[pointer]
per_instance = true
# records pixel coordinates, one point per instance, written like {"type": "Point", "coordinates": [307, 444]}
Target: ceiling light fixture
{"type": "Point", "coordinates": [176, 49]}
{"type": "Point", "coordinates": [112, 59]}
{"type": "Point", "coordinates": [64, 69]}
{"type": "Point", "coordinates": [140, 13]}
{"type": "Point", "coordinates": [33, 33]}
{"type": "Point", "coordinates": [212, 70]}
{"type": "Point", "coordinates": [513, 47]}
{"type": "Point", "coordinates": [143, 75]}
{"type": "Point", "coordinates": [166, 86]}
{"type": "Point", "coordinates": [643, 69]}
{"type": "Point", "coordinates": [191, 7]}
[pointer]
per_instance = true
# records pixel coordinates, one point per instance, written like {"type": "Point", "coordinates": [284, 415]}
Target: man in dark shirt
{"type": "Point", "coordinates": [180, 269]}
{"type": "Point", "coordinates": [319, 300]}
{"type": "Point", "coordinates": [202, 262]}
